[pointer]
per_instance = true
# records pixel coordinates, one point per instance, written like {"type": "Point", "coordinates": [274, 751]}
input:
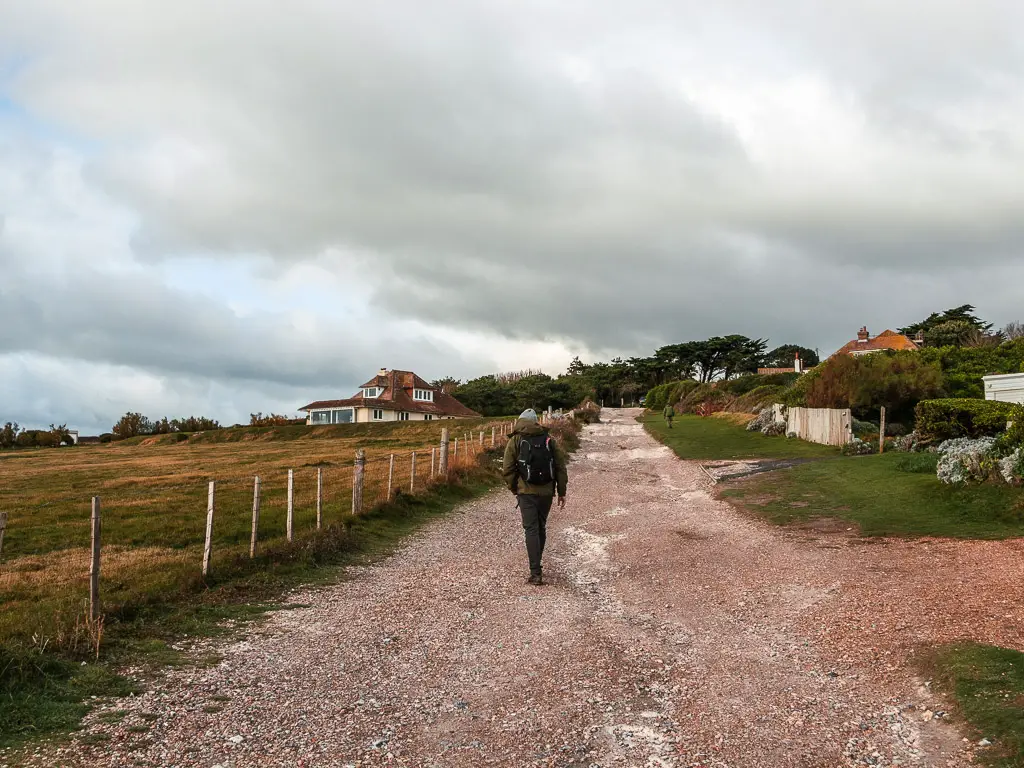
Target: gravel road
{"type": "Point", "coordinates": [673, 632]}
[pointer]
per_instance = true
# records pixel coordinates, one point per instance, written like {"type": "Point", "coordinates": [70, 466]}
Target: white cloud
{"type": "Point", "coordinates": [274, 199]}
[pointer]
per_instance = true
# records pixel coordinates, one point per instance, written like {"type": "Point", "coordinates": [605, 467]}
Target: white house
{"type": "Point", "coordinates": [389, 396]}
{"type": "Point", "coordinates": [1007, 387]}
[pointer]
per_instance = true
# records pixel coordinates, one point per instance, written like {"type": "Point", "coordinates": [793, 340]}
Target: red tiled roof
{"type": "Point", "coordinates": [770, 371]}
{"type": "Point", "coordinates": [885, 340]}
{"type": "Point", "coordinates": [398, 396]}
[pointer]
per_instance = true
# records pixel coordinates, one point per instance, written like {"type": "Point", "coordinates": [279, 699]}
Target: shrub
{"type": "Point", "coordinates": [963, 367]}
{"type": "Point", "coordinates": [589, 413]}
{"type": "Point", "coordinates": [681, 389]}
{"type": "Point", "coordinates": [911, 443]}
{"type": "Point", "coordinates": [700, 395]}
{"type": "Point", "coordinates": [865, 383]}
{"type": "Point", "coordinates": [960, 417]}
{"type": "Point", "coordinates": [775, 429]}
{"type": "Point", "coordinates": [657, 397]}
{"type": "Point", "coordinates": [858, 447]}
{"type": "Point", "coordinates": [758, 398]}
{"type": "Point", "coordinates": [864, 428]}
{"type": "Point", "coordinates": [918, 463]}
{"type": "Point", "coordinates": [963, 460]}
{"type": "Point", "coordinates": [1013, 438]}
{"type": "Point", "coordinates": [1011, 467]}
{"type": "Point", "coordinates": [762, 420]}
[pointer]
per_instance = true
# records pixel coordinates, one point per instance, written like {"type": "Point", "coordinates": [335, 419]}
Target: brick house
{"type": "Point", "coordinates": [389, 396]}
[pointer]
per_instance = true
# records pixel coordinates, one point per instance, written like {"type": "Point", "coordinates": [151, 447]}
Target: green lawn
{"type": "Point", "coordinates": [890, 495]}
{"type": "Point", "coordinates": [696, 437]}
{"type": "Point", "coordinates": [987, 684]}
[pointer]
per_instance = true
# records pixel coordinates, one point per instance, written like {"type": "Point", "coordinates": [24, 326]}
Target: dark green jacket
{"type": "Point", "coordinates": [510, 469]}
{"type": "Point", "coordinates": [669, 411]}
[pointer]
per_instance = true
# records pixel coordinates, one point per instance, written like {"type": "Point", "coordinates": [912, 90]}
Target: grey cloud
{"type": "Point", "coordinates": [460, 156]}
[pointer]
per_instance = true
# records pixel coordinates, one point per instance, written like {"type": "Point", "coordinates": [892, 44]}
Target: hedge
{"type": "Point", "coordinates": [963, 417]}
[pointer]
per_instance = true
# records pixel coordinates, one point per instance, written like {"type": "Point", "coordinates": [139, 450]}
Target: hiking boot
{"type": "Point", "coordinates": [535, 578]}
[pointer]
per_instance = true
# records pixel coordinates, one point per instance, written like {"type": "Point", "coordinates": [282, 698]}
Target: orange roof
{"type": "Point", "coordinates": [885, 340]}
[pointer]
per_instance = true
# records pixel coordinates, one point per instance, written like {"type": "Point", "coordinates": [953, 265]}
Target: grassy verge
{"type": "Point", "coordinates": [696, 437]}
{"type": "Point", "coordinates": [893, 494]}
{"type": "Point", "coordinates": [987, 684]}
{"type": "Point", "coordinates": [46, 690]}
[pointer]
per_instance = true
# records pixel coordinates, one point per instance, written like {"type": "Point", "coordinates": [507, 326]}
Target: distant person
{"type": "Point", "coordinates": [670, 413]}
{"type": "Point", "coordinates": [534, 468]}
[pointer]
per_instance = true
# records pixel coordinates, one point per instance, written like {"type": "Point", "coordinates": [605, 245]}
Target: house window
{"type": "Point", "coordinates": [378, 414]}
{"type": "Point", "coordinates": [372, 392]}
{"type": "Point", "coordinates": [403, 416]}
{"type": "Point", "coordinates": [343, 416]}
{"type": "Point", "coordinates": [426, 395]}
{"type": "Point", "coordinates": [428, 417]}
{"type": "Point", "coordinates": [320, 417]}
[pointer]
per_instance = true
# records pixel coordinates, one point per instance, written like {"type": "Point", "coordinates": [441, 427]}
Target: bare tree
{"type": "Point", "coordinates": [1014, 330]}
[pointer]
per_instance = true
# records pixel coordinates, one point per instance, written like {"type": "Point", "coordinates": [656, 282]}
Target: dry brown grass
{"type": "Point", "coordinates": [153, 501]}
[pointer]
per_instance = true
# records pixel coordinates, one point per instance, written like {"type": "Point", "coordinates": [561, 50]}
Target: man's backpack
{"type": "Point", "coordinates": [536, 459]}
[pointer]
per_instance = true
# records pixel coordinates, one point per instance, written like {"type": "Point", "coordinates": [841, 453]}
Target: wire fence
{"type": "Point", "coordinates": [231, 517]}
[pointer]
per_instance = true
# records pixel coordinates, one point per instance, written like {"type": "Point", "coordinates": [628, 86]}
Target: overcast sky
{"type": "Point", "coordinates": [219, 208]}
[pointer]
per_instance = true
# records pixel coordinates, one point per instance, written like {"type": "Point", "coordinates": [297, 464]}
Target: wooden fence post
{"type": "Point", "coordinates": [94, 565]}
{"type": "Point", "coordinates": [290, 521]}
{"type": "Point", "coordinates": [455, 453]}
{"type": "Point", "coordinates": [492, 437]}
{"type": "Point", "coordinates": [881, 433]}
{"type": "Point", "coordinates": [319, 496]}
{"type": "Point", "coordinates": [357, 482]}
{"type": "Point", "coordinates": [481, 438]}
{"type": "Point", "coordinates": [255, 516]}
{"type": "Point", "coordinates": [443, 462]}
{"type": "Point", "coordinates": [391, 475]}
{"type": "Point", "coordinates": [208, 548]}
{"type": "Point", "coordinates": [3, 527]}
{"type": "Point", "coordinates": [412, 474]}
{"type": "Point", "coordinates": [433, 455]}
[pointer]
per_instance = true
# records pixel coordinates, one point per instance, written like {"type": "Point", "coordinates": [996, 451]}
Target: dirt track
{"type": "Point", "coordinates": [673, 632]}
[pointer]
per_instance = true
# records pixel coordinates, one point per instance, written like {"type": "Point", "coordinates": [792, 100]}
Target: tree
{"type": "Point", "coordinates": [448, 385]}
{"type": "Point", "coordinates": [9, 434]}
{"type": "Point", "coordinates": [1014, 331]}
{"type": "Point", "coordinates": [782, 357]}
{"type": "Point", "coordinates": [131, 425]}
{"type": "Point", "coordinates": [727, 356]}
{"type": "Point", "coordinates": [60, 434]}
{"type": "Point", "coordinates": [270, 420]}
{"type": "Point", "coordinates": [952, 328]}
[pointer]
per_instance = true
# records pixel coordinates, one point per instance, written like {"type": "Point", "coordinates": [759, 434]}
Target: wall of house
{"type": "Point", "coordinates": [1008, 388]}
{"type": "Point", "coordinates": [365, 415]}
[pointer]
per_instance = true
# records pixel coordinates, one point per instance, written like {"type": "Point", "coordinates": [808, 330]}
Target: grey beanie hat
{"type": "Point", "coordinates": [528, 415]}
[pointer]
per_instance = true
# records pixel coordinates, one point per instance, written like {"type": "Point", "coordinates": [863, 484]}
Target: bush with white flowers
{"type": "Point", "coordinates": [966, 459]}
{"type": "Point", "coordinates": [1011, 467]}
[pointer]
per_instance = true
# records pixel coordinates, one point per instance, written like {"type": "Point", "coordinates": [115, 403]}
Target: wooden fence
{"type": "Point", "coordinates": [828, 426]}
{"type": "Point", "coordinates": [368, 483]}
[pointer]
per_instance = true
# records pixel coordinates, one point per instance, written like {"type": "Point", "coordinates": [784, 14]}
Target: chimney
{"type": "Point", "coordinates": [798, 365]}
{"type": "Point", "coordinates": [382, 372]}
{"type": "Point", "coordinates": [863, 335]}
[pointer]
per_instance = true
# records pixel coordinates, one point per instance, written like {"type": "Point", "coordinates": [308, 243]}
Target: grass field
{"type": "Point", "coordinates": [987, 684]}
{"type": "Point", "coordinates": [710, 438]}
{"type": "Point", "coordinates": [894, 494]}
{"type": "Point", "coordinates": [889, 495]}
{"type": "Point", "coordinates": [153, 496]}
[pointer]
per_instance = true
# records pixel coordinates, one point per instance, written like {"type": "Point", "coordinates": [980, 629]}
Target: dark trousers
{"type": "Point", "coordinates": [535, 511]}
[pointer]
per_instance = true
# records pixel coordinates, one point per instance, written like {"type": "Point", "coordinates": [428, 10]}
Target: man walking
{"type": "Point", "coordinates": [534, 468]}
{"type": "Point", "coordinates": [670, 414]}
